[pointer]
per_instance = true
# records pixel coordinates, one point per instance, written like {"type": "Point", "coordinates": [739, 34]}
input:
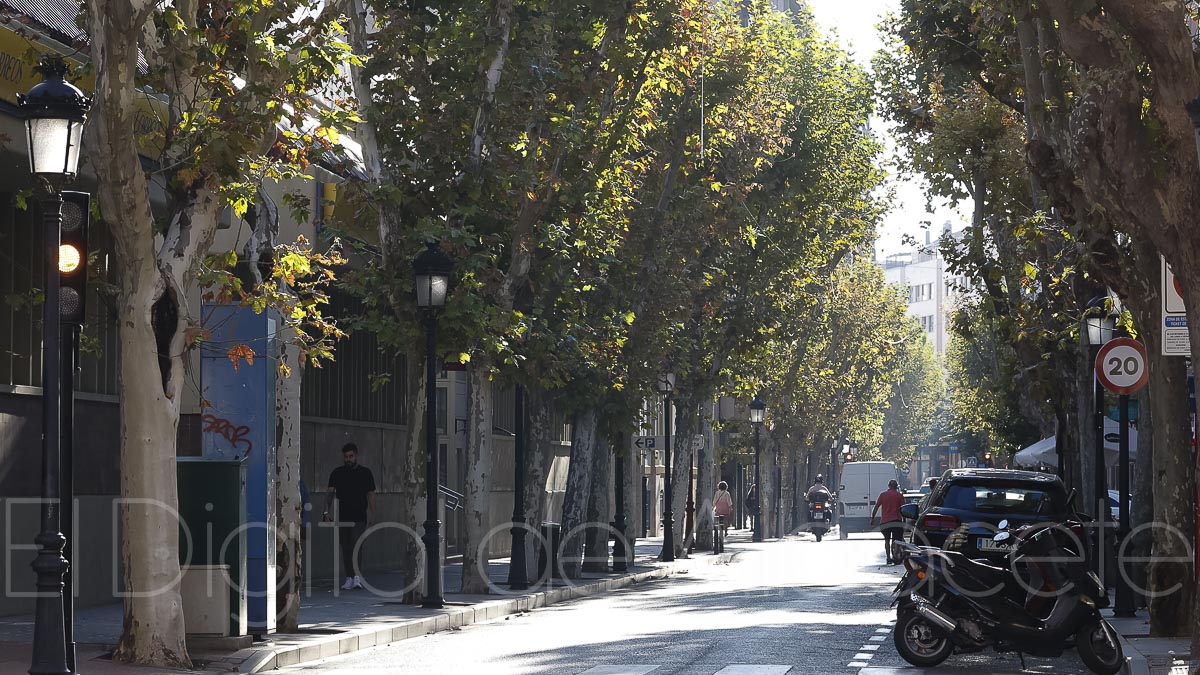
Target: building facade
{"type": "Point", "coordinates": [930, 288]}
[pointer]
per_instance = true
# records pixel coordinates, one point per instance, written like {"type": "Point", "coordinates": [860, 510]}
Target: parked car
{"type": "Point", "coordinates": [962, 512]}
{"type": "Point", "coordinates": [913, 497]}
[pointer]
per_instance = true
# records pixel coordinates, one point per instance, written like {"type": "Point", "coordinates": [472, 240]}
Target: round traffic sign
{"type": "Point", "coordinates": [1121, 366]}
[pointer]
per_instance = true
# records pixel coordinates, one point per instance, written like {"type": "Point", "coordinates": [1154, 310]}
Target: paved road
{"type": "Point", "coordinates": [794, 606]}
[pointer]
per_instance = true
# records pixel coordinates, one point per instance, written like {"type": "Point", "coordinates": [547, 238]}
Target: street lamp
{"type": "Point", "coordinates": [758, 412]}
{"type": "Point", "coordinates": [665, 384]}
{"type": "Point", "coordinates": [431, 272]}
{"type": "Point", "coordinates": [55, 112]}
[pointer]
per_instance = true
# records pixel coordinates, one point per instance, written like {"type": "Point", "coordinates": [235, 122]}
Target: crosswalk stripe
{"type": "Point", "coordinates": [877, 638]}
{"type": "Point", "coordinates": [619, 670]}
{"type": "Point", "coordinates": [863, 656]}
{"type": "Point", "coordinates": [883, 630]}
{"type": "Point", "coordinates": [747, 669]}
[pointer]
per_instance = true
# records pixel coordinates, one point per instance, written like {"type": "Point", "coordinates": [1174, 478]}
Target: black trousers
{"type": "Point", "coordinates": [349, 539]}
{"type": "Point", "coordinates": [892, 533]}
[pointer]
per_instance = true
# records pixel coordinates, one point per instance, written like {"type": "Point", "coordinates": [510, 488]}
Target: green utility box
{"type": "Point", "coordinates": [212, 538]}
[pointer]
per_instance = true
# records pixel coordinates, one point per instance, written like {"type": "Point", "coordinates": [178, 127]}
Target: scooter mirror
{"type": "Point", "coordinates": [1002, 536]}
{"type": "Point", "coordinates": [1003, 525]}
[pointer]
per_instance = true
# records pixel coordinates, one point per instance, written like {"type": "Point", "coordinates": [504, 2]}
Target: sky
{"type": "Point", "coordinates": [854, 22]}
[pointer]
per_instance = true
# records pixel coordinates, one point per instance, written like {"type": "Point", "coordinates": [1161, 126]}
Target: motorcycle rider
{"type": "Point", "coordinates": [817, 490]}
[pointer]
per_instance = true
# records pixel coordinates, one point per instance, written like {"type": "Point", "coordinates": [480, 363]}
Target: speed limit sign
{"type": "Point", "coordinates": [1121, 366]}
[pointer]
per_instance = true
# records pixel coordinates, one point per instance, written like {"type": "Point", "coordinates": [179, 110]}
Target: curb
{"type": "Point", "coordinates": [1135, 661]}
{"type": "Point", "coordinates": [257, 660]}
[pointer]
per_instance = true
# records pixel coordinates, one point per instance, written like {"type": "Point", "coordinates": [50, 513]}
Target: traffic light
{"type": "Point", "coordinates": [987, 460]}
{"type": "Point", "coordinates": [72, 257]}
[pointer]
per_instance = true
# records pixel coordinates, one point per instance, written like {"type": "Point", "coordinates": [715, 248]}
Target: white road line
{"type": "Point", "coordinates": [747, 669]}
{"type": "Point", "coordinates": [870, 648]}
{"type": "Point", "coordinates": [877, 638]}
{"type": "Point", "coordinates": [857, 664]}
{"type": "Point", "coordinates": [619, 670]}
{"type": "Point", "coordinates": [863, 656]}
{"type": "Point", "coordinates": [883, 630]}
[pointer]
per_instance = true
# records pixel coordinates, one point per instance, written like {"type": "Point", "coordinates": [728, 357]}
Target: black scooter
{"type": "Point", "coordinates": [1045, 602]}
{"type": "Point", "coordinates": [820, 517]}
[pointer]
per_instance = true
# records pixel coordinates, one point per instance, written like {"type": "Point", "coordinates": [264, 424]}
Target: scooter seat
{"type": "Point", "coordinates": [963, 568]}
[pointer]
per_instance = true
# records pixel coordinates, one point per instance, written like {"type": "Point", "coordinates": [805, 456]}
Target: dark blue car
{"type": "Point", "coordinates": [967, 505]}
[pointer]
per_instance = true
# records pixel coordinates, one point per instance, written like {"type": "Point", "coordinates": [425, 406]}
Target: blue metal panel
{"type": "Point", "coordinates": [239, 422]}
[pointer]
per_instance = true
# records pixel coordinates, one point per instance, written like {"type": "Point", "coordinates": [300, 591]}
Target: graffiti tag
{"type": "Point", "coordinates": [236, 435]}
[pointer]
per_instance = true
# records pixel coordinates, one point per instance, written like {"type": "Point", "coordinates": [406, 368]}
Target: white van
{"type": "Point", "coordinates": [859, 485]}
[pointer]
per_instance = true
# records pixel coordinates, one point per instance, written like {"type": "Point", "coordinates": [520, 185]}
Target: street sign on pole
{"type": "Point", "coordinates": [972, 462]}
{"type": "Point", "coordinates": [697, 442]}
{"type": "Point", "coordinates": [647, 442]}
{"type": "Point", "coordinates": [1121, 366]}
{"type": "Point", "coordinates": [1174, 318]}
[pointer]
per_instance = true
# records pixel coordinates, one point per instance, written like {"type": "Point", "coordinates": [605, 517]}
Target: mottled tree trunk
{"type": "Point", "coordinates": [411, 474]}
{"type": "Point", "coordinates": [579, 482]}
{"type": "Point", "coordinates": [706, 468]}
{"type": "Point", "coordinates": [541, 451]}
{"type": "Point", "coordinates": [681, 456]}
{"type": "Point", "coordinates": [633, 515]}
{"type": "Point", "coordinates": [153, 631]}
{"type": "Point", "coordinates": [598, 511]}
{"type": "Point", "coordinates": [289, 506]}
{"type": "Point", "coordinates": [477, 502]}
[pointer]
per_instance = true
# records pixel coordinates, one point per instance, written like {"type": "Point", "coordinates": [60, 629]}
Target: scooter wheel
{"type": "Point", "coordinates": [1099, 648]}
{"type": "Point", "coordinates": [819, 535]}
{"type": "Point", "coordinates": [918, 642]}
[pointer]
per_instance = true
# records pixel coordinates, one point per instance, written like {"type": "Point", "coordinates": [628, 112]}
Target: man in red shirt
{"type": "Point", "coordinates": [891, 525]}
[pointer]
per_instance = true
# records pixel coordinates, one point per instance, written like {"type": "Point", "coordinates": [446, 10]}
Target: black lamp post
{"type": "Point", "coordinates": [518, 571]}
{"type": "Point", "coordinates": [665, 385]}
{"type": "Point", "coordinates": [431, 270]}
{"type": "Point", "coordinates": [758, 412]}
{"type": "Point", "coordinates": [1101, 323]}
{"type": "Point", "coordinates": [55, 112]}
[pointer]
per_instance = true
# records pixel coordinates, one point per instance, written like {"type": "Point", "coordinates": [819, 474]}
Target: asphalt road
{"type": "Point", "coordinates": [792, 606]}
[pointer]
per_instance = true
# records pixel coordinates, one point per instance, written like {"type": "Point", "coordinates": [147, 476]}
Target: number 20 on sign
{"type": "Point", "coordinates": [1121, 366]}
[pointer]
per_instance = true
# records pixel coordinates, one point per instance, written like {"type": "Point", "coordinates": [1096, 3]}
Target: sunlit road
{"type": "Point", "coordinates": [794, 606]}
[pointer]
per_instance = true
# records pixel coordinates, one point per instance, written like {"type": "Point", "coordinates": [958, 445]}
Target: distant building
{"type": "Point", "coordinates": [931, 289]}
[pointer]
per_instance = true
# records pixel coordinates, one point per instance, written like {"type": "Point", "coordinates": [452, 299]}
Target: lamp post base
{"type": "Point", "coordinates": [433, 566]}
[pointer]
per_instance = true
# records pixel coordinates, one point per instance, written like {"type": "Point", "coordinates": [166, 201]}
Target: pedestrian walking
{"type": "Point", "coordinates": [354, 487]}
{"type": "Point", "coordinates": [723, 506]}
{"type": "Point", "coordinates": [752, 501]}
{"type": "Point", "coordinates": [891, 524]}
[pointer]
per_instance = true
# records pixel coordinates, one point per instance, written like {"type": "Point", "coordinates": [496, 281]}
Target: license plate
{"type": "Point", "coordinates": [989, 544]}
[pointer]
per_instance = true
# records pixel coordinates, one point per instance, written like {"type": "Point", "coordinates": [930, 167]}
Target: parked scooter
{"type": "Point", "coordinates": [1044, 603]}
{"type": "Point", "coordinates": [820, 517]}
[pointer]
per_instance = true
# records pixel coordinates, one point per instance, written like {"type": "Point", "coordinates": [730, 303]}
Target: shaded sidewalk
{"type": "Point", "coordinates": [333, 621]}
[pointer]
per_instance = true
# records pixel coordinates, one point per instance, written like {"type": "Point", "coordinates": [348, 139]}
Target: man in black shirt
{"type": "Point", "coordinates": [354, 486]}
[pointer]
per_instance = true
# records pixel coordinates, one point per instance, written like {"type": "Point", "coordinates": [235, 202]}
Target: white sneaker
{"type": "Point", "coordinates": [349, 584]}
{"type": "Point", "coordinates": [357, 582]}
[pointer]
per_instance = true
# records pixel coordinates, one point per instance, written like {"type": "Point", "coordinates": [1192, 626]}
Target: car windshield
{"type": "Point", "coordinates": [994, 498]}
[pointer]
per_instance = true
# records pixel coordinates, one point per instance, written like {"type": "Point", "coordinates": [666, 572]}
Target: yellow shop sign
{"type": "Point", "coordinates": [17, 76]}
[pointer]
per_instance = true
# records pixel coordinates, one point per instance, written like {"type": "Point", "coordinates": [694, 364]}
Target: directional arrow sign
{"type": "Point", "coordinates": [648, 442]}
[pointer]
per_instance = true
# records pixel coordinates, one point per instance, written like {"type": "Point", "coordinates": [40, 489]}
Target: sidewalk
{"type": "Point", "coordinates": [1145, 655]}
{"type": "Point", "coordinates": [335, 622]}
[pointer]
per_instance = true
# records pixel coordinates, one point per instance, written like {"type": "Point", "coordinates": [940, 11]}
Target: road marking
{"type": "Point", "coordinates": [619, 670]}
{"type": "Point", "coordinates": [867, 648]}
{"type": "Point", "coordinates": [883, 630]}
{"type": "Point", "coordinates": [857, 664]}
{"type": "Point", "coordinates": [873, 638]}
{"type": "Point", "coordinates": [745, 669]}
{"type": "Point", "coordinates": [863, 656]}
